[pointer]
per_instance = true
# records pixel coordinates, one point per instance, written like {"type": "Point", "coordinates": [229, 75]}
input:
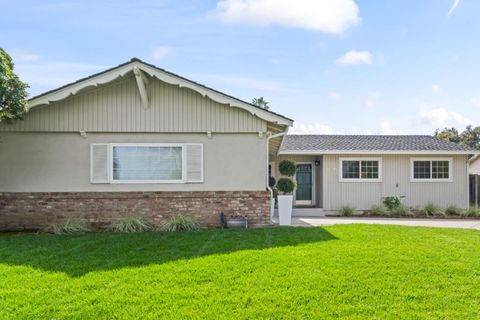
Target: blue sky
{"type": "Point", "coordinates": [335, 66]}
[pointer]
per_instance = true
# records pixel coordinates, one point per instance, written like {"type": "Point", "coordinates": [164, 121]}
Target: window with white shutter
{"type": "Point", "coordinates": [194, 163]}
{"type": "Point", "coordinates": [99, 160]}
{"type": "Point", "coordinates": [146, 163]}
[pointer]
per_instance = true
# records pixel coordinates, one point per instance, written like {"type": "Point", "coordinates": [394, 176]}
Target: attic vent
{"type": "Point", "coordinates": [99, 163]}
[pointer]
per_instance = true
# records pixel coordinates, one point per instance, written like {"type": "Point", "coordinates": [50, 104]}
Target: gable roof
{"type": "Point", "coordinates": [161, 74]}
{"type": "Point", "coordinates": [323, 144]}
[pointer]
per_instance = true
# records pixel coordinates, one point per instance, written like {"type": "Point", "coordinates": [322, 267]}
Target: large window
{"type": "Point", "coordinates": [360, 169]}
{"type": "Point", "coordinates": [147, 163]}
{"type": "Point", "coordinates": [436, 169]}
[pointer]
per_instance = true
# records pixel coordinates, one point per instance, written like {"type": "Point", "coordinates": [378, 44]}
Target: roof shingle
{"type": "Point", "coordinates": [331, 143]}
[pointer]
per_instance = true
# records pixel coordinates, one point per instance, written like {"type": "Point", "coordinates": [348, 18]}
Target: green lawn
{"type": "Point", "coordinates": [345, 271]}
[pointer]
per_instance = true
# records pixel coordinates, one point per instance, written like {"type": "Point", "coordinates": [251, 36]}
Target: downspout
{"type": "Point", "coordinates": [272, 201]}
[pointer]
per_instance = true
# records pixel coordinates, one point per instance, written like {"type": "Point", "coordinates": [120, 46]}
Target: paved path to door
{"type": "Point", "coordinates": [438, 223]}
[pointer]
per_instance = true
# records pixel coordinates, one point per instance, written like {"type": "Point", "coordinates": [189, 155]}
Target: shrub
{"type": "Point", "coordinates": [285, 185]}
{"type": "Point", "coordinates": [472, 212]}
{"type": "Point", "coordinates": [430, 209]}
{"type": "Point", "coordinates": [70, 227]}
{"type": "Point", "coordinates": [379, 210]}
{"type": "Point", "coordinates": [271, 182]}
{"type": "Point", "coordinates": [181, 223]}
{"type": "Point", "coordinates": [453, 211]}
{"type": "Point", "coordinates": [287, 168]}
{"type": "Point", "coordinates": [402, 210]}
{"type": "Point", "coordinates": [346, 211]}
{"type": "Point", "coordinates": [132, 224]}
{"type": "Point", "coordinates": [391, 202]}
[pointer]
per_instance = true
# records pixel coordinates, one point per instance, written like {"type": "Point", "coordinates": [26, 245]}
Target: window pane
{"type": "Point", "coordinates": [421, 169]}
{"type": "Point", "coordinates": [440, 170]}
{"type": "Point", "coordinates": [350, 169]}
{"type": "Point", "coordinates": [147, 163]}
{"type": "Point", "coordinates": [369, 169]}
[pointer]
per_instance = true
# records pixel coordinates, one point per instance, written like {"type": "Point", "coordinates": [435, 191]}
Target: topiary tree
{"type": "Point", "coordinates": [287, 168]}
{"type": "Point", "coordinates": [13, 94]}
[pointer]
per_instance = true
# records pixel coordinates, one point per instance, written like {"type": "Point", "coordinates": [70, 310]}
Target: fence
{"type": "Point", "coordinates": [474, 190]}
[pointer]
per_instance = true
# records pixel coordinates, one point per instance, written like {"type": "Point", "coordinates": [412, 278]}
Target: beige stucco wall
{"type": "Point", "coordinates": [48, 162]}
{"type": "Point", "coordinates": [395, 181]}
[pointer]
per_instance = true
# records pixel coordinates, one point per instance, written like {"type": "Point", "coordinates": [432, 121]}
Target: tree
{"type": "Point", "coordinates": [448, 134]}
{"type": "Point", "coordinates": [261, 102]}
{"type": "Point", "coordinates": [470, 137]}
{"type": "Point", "coordinates": [13, 92]}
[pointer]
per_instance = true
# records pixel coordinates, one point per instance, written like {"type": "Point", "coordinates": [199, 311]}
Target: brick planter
{"type": "Point", "coordinates": [31, 211]}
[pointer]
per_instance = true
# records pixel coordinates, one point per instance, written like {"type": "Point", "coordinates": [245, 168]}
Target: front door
{"type": "Point", "coordinates": [303, 195]}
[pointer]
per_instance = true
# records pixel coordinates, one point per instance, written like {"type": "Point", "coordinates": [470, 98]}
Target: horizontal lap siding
{"type": "Point", "coordinates": [396, 170]}
{"type": "Point", "coordinates": [117, 108]}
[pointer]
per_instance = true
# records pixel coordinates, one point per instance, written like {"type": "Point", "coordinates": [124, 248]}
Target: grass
{"type": "Point", "coordinates": [343, 271]}
{"type": "Point", "coordinates": [132, 224]}
{"type": "Point", "coordinates": [346, 211]}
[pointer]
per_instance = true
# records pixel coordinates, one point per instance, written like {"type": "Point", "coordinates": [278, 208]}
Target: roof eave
{"type": "Point", "coordinates": [376, 152]}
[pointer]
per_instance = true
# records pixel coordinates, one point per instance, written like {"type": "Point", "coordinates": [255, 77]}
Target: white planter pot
{"type": "Point", "coordinates": [285, 203]}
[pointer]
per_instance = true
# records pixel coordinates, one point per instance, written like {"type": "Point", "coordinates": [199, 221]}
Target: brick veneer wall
{"type": "Point", "coordinates": [30, 211]}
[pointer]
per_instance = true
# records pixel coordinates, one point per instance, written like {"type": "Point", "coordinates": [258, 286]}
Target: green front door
{"type": "Point", "coordinates": [303, 194]}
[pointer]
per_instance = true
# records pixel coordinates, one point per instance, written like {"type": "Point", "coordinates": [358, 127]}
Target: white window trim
{"type": "Point", "coordinates": [340, 168]}
{"type": "Point", "coordinates": [450, 170]}
{"type": "Point", "coordinates": [184, 163]}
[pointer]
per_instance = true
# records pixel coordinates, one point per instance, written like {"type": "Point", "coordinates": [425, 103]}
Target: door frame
{"type": "Point", "coordinates": [314, 200]}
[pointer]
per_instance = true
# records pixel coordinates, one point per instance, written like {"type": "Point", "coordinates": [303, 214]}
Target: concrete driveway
{"type": "Point", "coordinates": [438, 223]}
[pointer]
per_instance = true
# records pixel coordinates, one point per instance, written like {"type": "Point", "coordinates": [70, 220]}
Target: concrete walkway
{"type": "Point", "coordinates": [438, 223]}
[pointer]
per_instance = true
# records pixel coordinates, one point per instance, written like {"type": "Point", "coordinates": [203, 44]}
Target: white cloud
{"type": "Point", "coordinates": [441, 117]}
{"type": "Point", "coordinates": [334, 95]}
{"type": "Point", "coordinates": [475, 101]}
{"type": "Point", "coordinates": [310, 128]}
{"type": "Point", "coordinates": [23, 55]}
{"type": "Point", "coordinates": [330, 16]}
{"type": "Point", "coordinates": [370, 103]}
{"type": "Point", "coordinates": [160, 53]}
{"type": "Point", "coordinates": [453, 7]}
{"type": "Point", "coordinates": [238, 81]}
{"type": "Point", "coordinates": [436, 89]}
{"type": "Point", "coordinates": [355, 57]}
{"type": "Point", "coordinates": [386, 129]}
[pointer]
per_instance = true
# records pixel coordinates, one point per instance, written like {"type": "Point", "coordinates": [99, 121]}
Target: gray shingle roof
{"type": "Point", "coordinates": [331, 143]}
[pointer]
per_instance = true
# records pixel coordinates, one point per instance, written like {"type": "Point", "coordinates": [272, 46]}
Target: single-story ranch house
{"type": "Point", "coordinates": [139, 140]}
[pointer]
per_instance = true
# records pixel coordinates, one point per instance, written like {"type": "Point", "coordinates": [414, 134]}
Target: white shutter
{"type": "Point", "coordinates": [194, 163]}
{"type": "Point", "coordinates": [99, 163]}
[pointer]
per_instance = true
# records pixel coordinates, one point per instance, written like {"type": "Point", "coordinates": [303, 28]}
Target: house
{"type": "Point", "coordinates": [474, 165]}
{"type": "Point", "coordinates": [355, 170]}
{"type": "Point", "coordinates": [134, 140]}
{"type": "Point", "coordinates": [139, 140]}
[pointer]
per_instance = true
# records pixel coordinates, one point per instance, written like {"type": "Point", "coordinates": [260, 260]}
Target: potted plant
{"type": "Point", "coordinates": [285, 187]}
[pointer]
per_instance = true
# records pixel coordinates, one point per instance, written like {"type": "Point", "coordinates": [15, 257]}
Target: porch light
{"type": "Point", "coordinates": [317, 163]}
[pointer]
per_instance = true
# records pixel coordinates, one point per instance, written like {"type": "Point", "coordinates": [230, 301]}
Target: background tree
{"type": "Point", "coordinates": [261, 102]}
{"type": "Point", "coordinates": [470, 137]}
{"type": "Point", "coordinates": [13, 92]}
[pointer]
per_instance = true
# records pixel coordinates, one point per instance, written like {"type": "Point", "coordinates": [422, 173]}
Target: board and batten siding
{"type": "Point", "coordinates": [395, 182]}
{"type": "Point", "coordinates": [117, 107]}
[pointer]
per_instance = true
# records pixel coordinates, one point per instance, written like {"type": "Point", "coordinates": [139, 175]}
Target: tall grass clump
{"type": "Point", "coordinates": [132, 224]}
{"type": "Point", "coordinates": [472, 212]}
{"type": "Point", "coordinates": [379, 210]}
{"type": "Point", "coordinates": [402, 210]}
{"type": "Point", "coordinates": [72, 226]}
{"type": "Point", "coordinates": [181, 223]}
{"type": "Point", "coordinates": [431, 210]}
{"type": "Point", "coordinates": [453, 211]}
{"type": "Point", "coordinates": [346, 211]}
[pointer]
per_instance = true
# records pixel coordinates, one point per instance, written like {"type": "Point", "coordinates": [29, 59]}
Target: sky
{"type": "Point", "coordinates": [334, 66]}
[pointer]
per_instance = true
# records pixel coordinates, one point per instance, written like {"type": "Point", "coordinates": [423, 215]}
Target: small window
{"type": "Point", "coordinates": [147, 163]}
{"type": "Point", "coordinates": [431, 170]}
{"type": "Point", "coordinates": [361, 170]}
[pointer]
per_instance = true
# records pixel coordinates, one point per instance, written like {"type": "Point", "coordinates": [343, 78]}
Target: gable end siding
{"type": "Point", "coordinates": [117, 107]}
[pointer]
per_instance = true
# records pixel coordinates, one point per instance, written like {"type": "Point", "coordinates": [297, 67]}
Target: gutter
{"type": "Point", "coordinates": [272, 201]}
